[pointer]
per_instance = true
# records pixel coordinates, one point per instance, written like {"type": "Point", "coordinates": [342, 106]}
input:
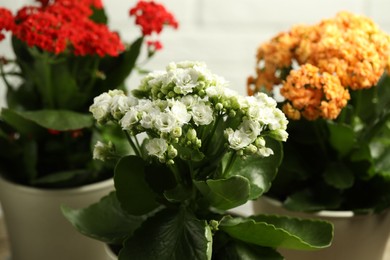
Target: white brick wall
{"type": "Point", "coordinates": [226, 33]}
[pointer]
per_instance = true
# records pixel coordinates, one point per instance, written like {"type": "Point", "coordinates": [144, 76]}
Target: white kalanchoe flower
{"type": "Point", "coordinates": [238, 139]}
{"type": "Point", "coordinates": [130, 119]}
{"type": "Point", "coordinates": [185, 81]}
{"type": "Point", "coordinates": [157, 147]}
{"type": "Point", "coordinates": [101, 107]}
{"type": "Point", "coordinates": [165, 122]}
{"type": "Point", "coordinates": [103, 151]}
{"type": "Point", "coordinates": [179, 111]}
{"type": "Point", "coordinates": [251, 128]}
{"type": "Point", "coordinates": [202, 114]}
{"type": "Point", "coordinates": [189, 101]}
{"type": "Point", "coordinates": [120, 104]}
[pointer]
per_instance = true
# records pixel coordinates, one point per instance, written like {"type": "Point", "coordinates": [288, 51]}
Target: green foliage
{"type": "Point", "coordinates": [277, 231]}
{"type": "Point", "coordinates": [109, 226]}
{"type": "Point", "coordinates": [226, 193]}
{"type": "Point", "coordinates": [189, 220]}
{"type": "Point", "coordinates": [170, 234]}
{"type": "Point", "coordinates": [131, 185]}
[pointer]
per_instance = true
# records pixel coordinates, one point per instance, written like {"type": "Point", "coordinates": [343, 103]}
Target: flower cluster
{"type": "Point", "coordinates": [334, 78]}
{"type": "Point", "coordinates": [62, 26]}
{"type": "Point", "coordinates": [174, 106]}
{"type": "Point", "coordinates": [152, 17]}
{"type": "Point", "coordinates": [6, 21]}
{"type": "Point", "coordinates": [346, 52]}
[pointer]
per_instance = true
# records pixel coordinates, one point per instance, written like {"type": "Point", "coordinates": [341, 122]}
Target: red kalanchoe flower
{"type": "Point", "coordinates": [76, 133]}
{"type": "Point", "coordinates": [6, 21]}
{"type": "Point", "coordinates": [152, 17]}
{"type": "Point", "coordinates": [154, 45]}
{"type": "Point", "coordinates": [88, 38]}
{"type": "Point", "coordinates": [95, 3]}
{"type": "Point", "coordinates": [69, 10]}
{"type": "Point", "coordinates": [65, 26]}
{"type": "Point", "coordinates": [45, 31]}
{"type": "Point", "coordinates": [53, 132]}
{"type": "Point", "coordinates": [25, 12]}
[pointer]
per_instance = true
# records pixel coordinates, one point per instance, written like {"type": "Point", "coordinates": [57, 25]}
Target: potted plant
{"type": "Point", "coordinates": [198, 150]}
{"type": "Point", "coordinates": [335, 91]}
{"type": "Point", "coordinates": [65, 55]}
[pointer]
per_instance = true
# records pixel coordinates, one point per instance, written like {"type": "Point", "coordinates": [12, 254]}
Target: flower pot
{"type": "Point", "coordinates": [110, 253]}
{"type": "Point", "coordinates": [36, 228]}
{"type": "Point", "coordinates": [358, 237]}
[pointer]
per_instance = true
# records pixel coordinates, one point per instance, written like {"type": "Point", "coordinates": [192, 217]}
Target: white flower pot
{"type": "Point", "coordinates": [356, 237]}
{"type": "Point", "coordinates": [36, 228]}
{"type": "Point", "coordinates": [110, 254]}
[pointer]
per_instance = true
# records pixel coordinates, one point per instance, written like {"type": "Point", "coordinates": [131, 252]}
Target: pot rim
{"type": "Point", "coordinates": [87, 188]}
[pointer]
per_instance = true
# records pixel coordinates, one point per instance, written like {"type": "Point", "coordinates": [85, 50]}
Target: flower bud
{"type": "Point", "coordinates": [176, 132]}
{"type": "Point", "coordinates": [260, 142]}
{"type": "Point", "coordinates": [232, 113]}
{"type": "Point", "coordinates": [172, 152]}
{"type": "Point", "coordinates": [219, 106]}
{"type": "Point", "coordinates": [191, 134]}
{"type": "Point", "coordinates": [250, 149]}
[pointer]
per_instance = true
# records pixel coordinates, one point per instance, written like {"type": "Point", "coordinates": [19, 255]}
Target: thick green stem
{"type": "Point", "coordinates": [212, 132]}
{"type": "Point", "coordinates": [230, 163]}
{"type": "Point", "coordinates": [176, 173]}
{"type": "Point", "coordinates": [132, 144]}
{"type": "Point", "coordinates": [3, 75]}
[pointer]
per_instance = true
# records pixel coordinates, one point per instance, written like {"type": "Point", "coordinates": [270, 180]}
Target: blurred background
{"type": "Point", "coordinates": [224, 33]}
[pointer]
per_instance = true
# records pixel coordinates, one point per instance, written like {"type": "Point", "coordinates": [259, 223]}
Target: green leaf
{"type": "Point", "coordinates": [178, 194]}
{"type": "Point", "coordinates": [98, 15]}
{"type": "Point", "coordinates": [364, 102]}
{"type": "Point", "coordinates": [338, 175]}
{"type": "Point", "coordinates": [341, 137]}
{"type": "Point", "coordinates": [66, 89]}
{"type": "Point", "coordinates": [61, 120]}
{"type": "Point", "coordinates": [236, 250]}
{"type": "Point", "coordinates": [277, 231]}
{"type": "Point", "coordinates": [19, 123]}
{"type": "Point", "coordinates": [260, 171]}
{"type": "Point", "coordinates": [170, 235]}
{"type": "Point", "coordinates": [104, 220]}
{"type": "Point", "coordinates": [361, 162]}
{"type": "Point", "coordinates": [225, 194]}
{"type": "Point", "coordinates": [159, 177]}
{"type": "Point", "coordinates": [381, 152]}
{"type": "Point", "coordinates": [383, 90]}
{"type": "Point", "coordinates": [117, 69]}
{"type": "Point", "coordinates": [306, 200]}
{"type": "Point", "coordinates": [134, 193]}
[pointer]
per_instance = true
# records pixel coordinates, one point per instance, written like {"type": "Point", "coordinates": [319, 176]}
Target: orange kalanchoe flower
{"type": "Point", "coordinates": [313, 94]}
{"type": "Point", "coordinates": [272, 58]}
{"type": "Point", "coordinates": [346, 52]}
